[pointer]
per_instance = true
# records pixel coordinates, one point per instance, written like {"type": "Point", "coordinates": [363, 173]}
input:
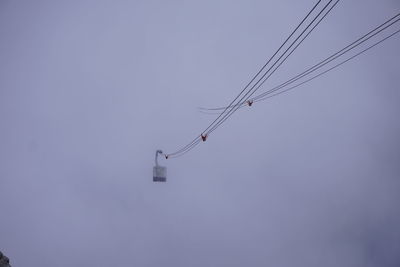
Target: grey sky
{"type": "Point", "coordinates": [90, 89]}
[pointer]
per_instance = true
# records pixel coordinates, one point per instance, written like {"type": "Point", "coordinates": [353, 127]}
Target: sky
{"type": "Point", "coordinates": [89, 90]}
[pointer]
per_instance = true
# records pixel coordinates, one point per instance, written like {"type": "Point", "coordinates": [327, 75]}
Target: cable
{"type": "Point", "coordinates": [326, 61]}
{"type": "Point", "coordinates": [323, 62]}
{"type": "Point", "coordinates": [336, 55]}
{"type": "Point", "coordinates": [209, 109]}
{"type": "Point", "coordinates": [251, 92]}
{"type": "Point", "coordinates": [276, 52]}
{"type": "Point", "coordinates": [332, 57]}
{"type": "Point", "coordinates": [194, 141]}
{"type": "Point", "coordinates": [331, 68]}
{"type": "Point", "coordinates": [341, 52]}
{"type": "Point", "coordinates": [334, 67]}
{"type": "Point", "coordinates": [184, 152]}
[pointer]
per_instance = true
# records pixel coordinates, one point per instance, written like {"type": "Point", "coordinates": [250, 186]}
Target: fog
{"type": "Point", "coordinates": [90, 89]}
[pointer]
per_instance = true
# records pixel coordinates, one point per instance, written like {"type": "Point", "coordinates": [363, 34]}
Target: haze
{"type": "Point", "coordinates": [90, 89]}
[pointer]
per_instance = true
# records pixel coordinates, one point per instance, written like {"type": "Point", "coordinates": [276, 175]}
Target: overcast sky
{"type": "Point", "coordinates": [90, 89]}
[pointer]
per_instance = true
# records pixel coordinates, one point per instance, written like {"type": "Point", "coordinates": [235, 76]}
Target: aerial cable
{"type": "Point", "coordinates": [265, 95]}
{"type": "Point", "coordinates": [322, 63]}
{"type": "Point", "coordinates": [197, 138]}
{"type": "Point", "coordinates": [194, 142]}
{"type": "Point", "coordinates": [246, 102]}
{"type": "Point", "coordinates": [337, 54]}
{"type": "Point", "coordinates": [349, 47]}
{"type": "Point", "coordinates": [167, 156]}
{"type": "Point", "coordinates": [265, 65]}
{"type": "Point", "coordinates": [252, 91]}
{"type": "Point", "coordinates": [325, 71]}
{"type": "Point", "coordinates": [331, 68]}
